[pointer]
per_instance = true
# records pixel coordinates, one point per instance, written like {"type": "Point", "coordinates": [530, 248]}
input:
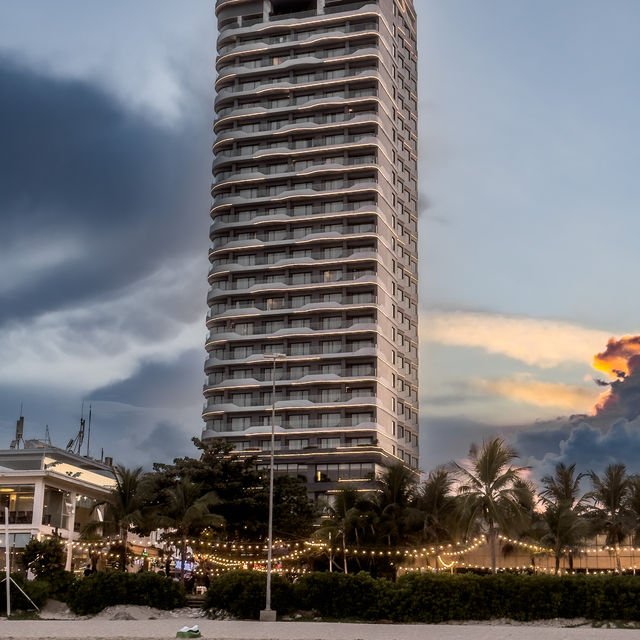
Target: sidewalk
{"type": "Point", "coordinates": [239, 630]}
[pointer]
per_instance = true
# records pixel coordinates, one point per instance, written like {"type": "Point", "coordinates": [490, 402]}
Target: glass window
{"type": "Point", "coordinates": [19, 500]}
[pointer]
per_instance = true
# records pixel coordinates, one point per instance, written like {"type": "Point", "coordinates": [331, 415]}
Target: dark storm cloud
{"type": "Point", "coordinates": [179, 380]}
{"type": "Point", "coordinates": [75, 163]}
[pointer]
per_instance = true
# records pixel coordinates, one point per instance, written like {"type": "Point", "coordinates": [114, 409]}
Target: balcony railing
{"type": "Point", "coordinates": [221, 356]}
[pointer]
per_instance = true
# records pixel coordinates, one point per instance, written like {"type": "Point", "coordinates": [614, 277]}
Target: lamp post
{"type": "Point", "coordinates": [268, 614]}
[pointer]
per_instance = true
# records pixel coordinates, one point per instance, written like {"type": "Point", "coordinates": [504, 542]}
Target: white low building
{"type": "Point", "coordinates": [50, 492]}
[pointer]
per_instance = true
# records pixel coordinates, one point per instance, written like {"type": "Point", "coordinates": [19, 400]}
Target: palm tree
{"type": "Point", "coordinates": [123, 508]}
{"type": "Point", "coordinates": [611, 512]}
{"type": "Point", "coordinates": [437, 504]}
{"type": "Point", "coordinates": [398, 517]}
{"type": "Point", "coordinates": [633, 502]}
{"type": "Point", "coordinates": [341, 519]}
{"type": "Point", "coordinates": [185, 510]}
{"type": "Point", "coordinates": [563, 485]}
{"type": "Point", "coordinates": [491, 490]}
{"type": "Point", "coordinates": [562, 519]}
{"type": "Point", "coordinates": [564, 527]}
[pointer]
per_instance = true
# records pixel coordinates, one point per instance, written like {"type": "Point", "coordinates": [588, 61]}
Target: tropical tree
{"type": "Point", "coordinates": [564, 526]}
{"type": "Point", "coordinates": [633, 502]}
{"type": "Point", "coordinates": [340, 520]}
{"type": "Point", "coordinates": [123, 509]}
{"type": "Point", "coordinates": [563, 485]}
{"type": "Point", "coordinates": [437, 504]}
{"type": "Point", "coordinates": [610, 512]}
{"type": "Point", "coordinates": [186, 512]}
{"type": "Point", "coordinates": [491, 490]}
{"type": "Point", "coordinates": [395, 500]}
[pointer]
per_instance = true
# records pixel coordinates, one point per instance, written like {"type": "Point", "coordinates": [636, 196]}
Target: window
{"type": "Point", "coordinates": [241, 399]}
{"type": "Point", "coordinates": [330, 395]}
{"type": "Point", "coordinates": [240, 424]}
{"type": "Point", "coordinates": [299, 421]}
{"type": "Point", "coordinates": [329, 419]}
{"type": "Point", "coordinates": [328, 443]}
{"type": "Point", "coordinates": [331, 346]}
{"type": "Point", "coordinates": [298, 444]}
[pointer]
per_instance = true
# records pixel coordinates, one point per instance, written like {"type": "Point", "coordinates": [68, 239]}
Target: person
{"type": "Point", "coordinates": [87, 571]}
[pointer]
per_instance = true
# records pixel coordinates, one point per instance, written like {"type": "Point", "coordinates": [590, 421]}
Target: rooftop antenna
{"type": "Point", "coordinates": [75, 445]}
{"type": "Point", "coordinates": [47, 435]}
{"type": "Point", "coordinates": [15, 444]}
{"type": "Point", "coordinates": [89, 431]}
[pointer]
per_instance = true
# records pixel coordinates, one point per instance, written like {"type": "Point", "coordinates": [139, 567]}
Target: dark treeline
{"type": "Point", "coordinates": [221, 496]}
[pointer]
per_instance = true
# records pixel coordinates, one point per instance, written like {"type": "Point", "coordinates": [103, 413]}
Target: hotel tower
{"type": "Point", "coordinates": [313, 258]}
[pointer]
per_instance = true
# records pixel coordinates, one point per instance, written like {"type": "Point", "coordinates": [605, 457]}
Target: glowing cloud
{"type": "Point", "coordinates": [536, 342]}
{"type": "Point", "coordinates": [616, 359]}
{"type": "Point", "coordinates": [540, 393]}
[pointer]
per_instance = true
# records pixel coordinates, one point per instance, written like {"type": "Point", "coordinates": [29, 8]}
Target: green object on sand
{"type": "Point", "coordinates": [188, 634]}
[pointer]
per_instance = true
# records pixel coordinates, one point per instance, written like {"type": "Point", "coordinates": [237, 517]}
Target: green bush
{"type": "Point", "coordinates": [336, 595]}
{"type": "Point", "coordinates": [35, 589]}
{"type": "Point", "coordinates": [431, 598]}
{"type": "Point", "coordinates": [95, 592]}
{"type": "Point", "coordinates": [242, 594]}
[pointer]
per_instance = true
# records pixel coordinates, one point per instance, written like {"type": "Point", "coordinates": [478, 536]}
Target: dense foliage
{"type": "Point", "coordinates": [430, 598]}
{"type": "Point", "coordinates": [100, 590]}
{"type": "Point", "coordinates": [242, 594]}
{"type": "Point", "coordinates": [46, 560]}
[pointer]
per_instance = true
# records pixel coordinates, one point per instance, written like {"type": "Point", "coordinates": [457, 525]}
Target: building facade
{"type": "Point", "coordinates": [50, 492]}
{"type": "Point", "coordinates": [313, 258]}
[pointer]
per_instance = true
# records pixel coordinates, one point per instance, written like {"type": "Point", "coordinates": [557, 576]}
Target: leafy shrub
{"type": "Point", "coordinates": [95, 592]}
{"type": "Point", "coordinates": [242, 594]}
{"type": "Point", "coordinates": [432, 597]}
{"type": "Point", "coordinates": [336, 595]}
{"type": "Point", "coordinates": [36, 590]}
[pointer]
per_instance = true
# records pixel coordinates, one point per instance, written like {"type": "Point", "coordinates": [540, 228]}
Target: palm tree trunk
{"type": "Point", "coordinates": [557, 563]}
{"type": "Point", "coordinates": [183, 553]}
{"type": "Point", "coordinates": [123, 554]}
{"type": "Point", "coordinates": [492, 543]}
{"type": "Point", "coordinates": [618, 564]}
{"type": "Point", "coordinates": [344, 553]}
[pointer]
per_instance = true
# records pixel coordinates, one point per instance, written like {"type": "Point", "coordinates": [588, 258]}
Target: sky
{"type": "Point", "coordinates": [528, 155]}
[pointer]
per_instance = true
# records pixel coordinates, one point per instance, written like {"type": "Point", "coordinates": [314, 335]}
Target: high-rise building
{"type": "Point", "coordinates": [314, 237]}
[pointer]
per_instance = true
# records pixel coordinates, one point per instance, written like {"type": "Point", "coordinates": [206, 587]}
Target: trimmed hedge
{"type": "Point", "coordinates": [242, 594]}
{"type": "Point", "coordinates": [37, 590]}
{"type": "Point", "coordinates": [95, 592]}
{"type": "Point", "coordinates": [430, 598]}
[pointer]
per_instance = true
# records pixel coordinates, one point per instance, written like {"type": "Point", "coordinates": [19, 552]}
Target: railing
{"type": "Point", "coordinates": [306, 211]}
{"type": "Point", "coordinates": [298, 36]}
{"type": "Point", "coordinates": [229, 356]}
{"type": "Point", "coordinates": [329, 163]}
{"type": "Point", "coordinates": [256, 401]}
{"type": "Point", "coordinates": [312, 326]}
{"type": "Point", "coordinates": [249, 306]}
{"type": "Point", "coordinates": [296, 101]}
{"type": "Point", "coordinates": [295, 145]}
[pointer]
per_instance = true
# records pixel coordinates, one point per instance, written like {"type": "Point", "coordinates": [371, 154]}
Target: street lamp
{"type": "Point", "coordinates": [268, 614]}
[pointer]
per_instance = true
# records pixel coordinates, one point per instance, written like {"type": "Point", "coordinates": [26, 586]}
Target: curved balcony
{"type": "Point", "coordinates": [277, 84]}
{"type": "Point", "coordinates": [282, 402]}
{"type": "Point", "coordinates": [314, 263]}
{"type": "Point", "coordinates": [291, 287]}
{"type": "Point", "coordinates": [228, 357]}
{"type": "Point", "coordinates": [264, 42]}
{"type": "Point", "coordinates": [317, 330]}
{"type": "Point", "coordinates": [265, 383]}
{"type": "Point", "coordinates": [311, 124]}
{"type": "Point", "coordinates": [252, 310]}
{"type": "Point", "coordinates": [347, 232]}
{"type": "Point", "coordinates": [289, 149]}
{"type": "Point", "coordinates": [298, 105]}
{"type": "Point", "coordinates": [311, 59]}
{"type": "Point", "coordinates": [291, 193]}
{"type": "Point", "coordinates": [322, 169]}
{"type": "Point", "coordinates": [231, 221]}
{"type": "Point", "coordinates": [369, 10]}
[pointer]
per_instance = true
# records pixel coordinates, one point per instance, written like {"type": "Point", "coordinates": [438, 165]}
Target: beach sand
{"type": "Point", "coordinates": [111, 625]}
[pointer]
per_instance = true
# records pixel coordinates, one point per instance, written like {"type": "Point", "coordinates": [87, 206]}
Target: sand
{"type": "Point", "coordinates": [167, 623]}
